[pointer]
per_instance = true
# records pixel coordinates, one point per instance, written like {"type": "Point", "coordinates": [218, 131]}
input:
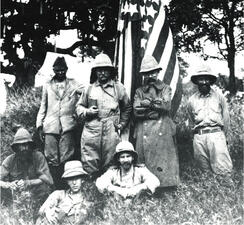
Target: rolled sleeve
{"type": "Point", "coordinates": [104, 182]}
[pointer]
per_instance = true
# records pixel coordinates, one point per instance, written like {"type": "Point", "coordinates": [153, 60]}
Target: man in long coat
{"type": "Point", "coordinates": [155, 130]}
{"type": "Point", "coordinates": [105, 107]}
{"type": "Point", "coordinates": [57, 119]}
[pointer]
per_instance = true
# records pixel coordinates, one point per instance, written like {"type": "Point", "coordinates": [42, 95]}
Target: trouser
{"type": "Point", "coordinates": [57, 172]}
{"type": "Point", "coordinates": [211, 152]}
{"type": "Point", "coordinates": [98, 143]}
{"type": "Point", "coordinates": [58, 150]}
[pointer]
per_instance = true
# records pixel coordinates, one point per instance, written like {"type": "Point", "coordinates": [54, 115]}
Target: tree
{"type": "Point", "coordinates": [220, 21]}
{"type": "Point", "coordinates": [26, 24]}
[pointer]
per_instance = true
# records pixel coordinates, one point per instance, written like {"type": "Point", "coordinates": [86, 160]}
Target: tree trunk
{"type": "Point", "coordinates": [232, 80]}
{"type": "Point", "coordinates": [231, 56]}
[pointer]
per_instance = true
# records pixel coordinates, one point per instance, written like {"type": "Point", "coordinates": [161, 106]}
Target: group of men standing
{"type": "Point", "coordinates": [106, 109]}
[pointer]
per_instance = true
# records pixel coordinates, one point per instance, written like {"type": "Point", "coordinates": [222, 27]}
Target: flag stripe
{"type": "Point", "coordinates": [166, 56]}
{"type": "Point", "coordinates": [161, 43]}
{"type": "Point", "coordinates": [170, 68]}
{"type": "Point", "coordinates": [153, 39]}
{"type": "Point", "coordinates": [156, 39]}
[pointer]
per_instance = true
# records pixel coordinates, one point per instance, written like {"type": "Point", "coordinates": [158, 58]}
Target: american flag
{"type": "Point", "coordinates": [143, 29]}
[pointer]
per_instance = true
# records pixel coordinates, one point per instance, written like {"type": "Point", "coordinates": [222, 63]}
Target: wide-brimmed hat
{"type": "Point", "coordinates": [148, 64]}
{"type": "Point", "coordinates": [73, 168]}
{"type": "Point", "coordinates": [102, 60]}
{"type": "Point", "coordinates": [22, 136]}
{"type": "Point", "coordinates": [122, 147]}
{"type": "Point", "coordinates": [203, 70]}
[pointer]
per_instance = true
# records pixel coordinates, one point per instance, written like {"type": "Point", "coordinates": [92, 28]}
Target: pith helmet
{"type": "Point", "coordinates": [102, 60]}
{"type": "Point", "coordinates": [125, 146]}
{"type": "Point", "coordinates": [21, 136]}
{"type": "Point", "coordinates": [203, 70]}
{"type": "Point", "coordinates": [60, 62]}
{"type": "Point", "coordinates": [148, 64]}
{"type": "Point", "coordinates": [73, 168]}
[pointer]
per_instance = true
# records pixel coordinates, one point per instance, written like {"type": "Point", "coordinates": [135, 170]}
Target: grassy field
{"type": "Point", "coordinates": [199, 199]}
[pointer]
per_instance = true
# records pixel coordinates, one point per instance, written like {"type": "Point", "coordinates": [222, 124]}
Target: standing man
{"type": "Point", "coordinates": [56, 119]}
{"type": "Point", "coordinates": [24, 170]}
{"type": "Point", "coordinates": [209, 115]}
{"type": "Point", "coordinates": [127, 178]}
{"type": "Point", "coordinates": [105, 107]}
{"type": "Point", "coordinates": [155, 130]}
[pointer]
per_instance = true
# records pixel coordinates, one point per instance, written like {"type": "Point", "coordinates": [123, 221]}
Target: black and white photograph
{"type": "Point", "coordinates": [122, 112]}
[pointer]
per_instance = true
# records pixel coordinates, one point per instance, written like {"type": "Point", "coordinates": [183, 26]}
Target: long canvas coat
{"type": "Point", "coordinates": [154, 133]}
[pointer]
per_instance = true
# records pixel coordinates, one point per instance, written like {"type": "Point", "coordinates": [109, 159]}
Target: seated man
{"type": "Point", "coordinates": [67, 206]}
{"type": "Point", "coordinates": [25, 170]}
{"type": "Point", "coordinates": [127, 179]}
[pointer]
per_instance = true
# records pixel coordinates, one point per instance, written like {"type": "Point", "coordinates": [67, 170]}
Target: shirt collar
{"type": "Point", "coordinates": [110, 83]}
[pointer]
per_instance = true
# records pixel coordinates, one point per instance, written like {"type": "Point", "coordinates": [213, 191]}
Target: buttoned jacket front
{"type": "Point", "coordinates": [154, 136]}
{"type": "Point", "coordinates": [57, 113]}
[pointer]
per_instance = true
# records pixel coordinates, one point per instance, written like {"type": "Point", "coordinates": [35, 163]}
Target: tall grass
{"type": "Point", "coordinates": [199, 199]}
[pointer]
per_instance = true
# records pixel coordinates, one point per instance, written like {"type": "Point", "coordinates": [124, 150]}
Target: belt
{"type": "Point", "coordinates": [206, 131]}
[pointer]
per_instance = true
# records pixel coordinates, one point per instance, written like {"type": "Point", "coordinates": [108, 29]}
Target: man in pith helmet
{"type": "Point", "coordinates": [127, 178]}
{"type": "Point", "coordinates": [154, 129]}
{"type": "Point", "coordinates": [105, 107]}
{"type": "Point", "coordinates": [67, 206]}
{"type": "Point", "coordinates": [209, 115]}
{"type": "Point", "coordinates": [24, 170]}
{"type": "Point", "coordinates": [57, 120]}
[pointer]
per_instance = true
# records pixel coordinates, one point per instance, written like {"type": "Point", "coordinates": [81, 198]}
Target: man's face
{"type": "Point", "coordinates": [60, 73]}
{"type": "Point", "coordinates": [23, 150]}
{"type": "Point", "coordinates": [203, 84]}
{"type": "Point", "coordinates": [74, 184]}
{"type": "Point", "coordinates": [103, 75]}
{"type": "Point", "coordinates": [125, 160]}
{"type": "Point", "coordinates": [150, 77]}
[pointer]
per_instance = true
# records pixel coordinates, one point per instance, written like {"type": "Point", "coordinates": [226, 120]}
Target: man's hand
{"type": "Point", "coordinates": [92, 111]}
{"type": "Point", "coordinates": [146, 103]}
{"type": "Point", "coordinates": [118, 127]}
{"type": "Point", "coordinates": [52, 215]}
{"type": "Point", "coordinates": [12, 185]}
{"type": "Point", "coordinates": [41, 133]}
{"type": "Point", "coordinates": [133, 191]}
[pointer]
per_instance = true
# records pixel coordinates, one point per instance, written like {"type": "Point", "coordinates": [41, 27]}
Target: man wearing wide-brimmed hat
{"type": "Point", "coordinates": [155, 130]}
{"type": "Point", "coordinates": [25, 170]}
{"type": "Point", "coordinates": [105, 107]}
{"type": "Point", "coordinates": [127, 178]}
{"type": "Point", "coordinates": [57, 120]}
{"type": "Point", "coordinates": [67, 206]}
{"type": "Point", "coordinates": [210, 118]}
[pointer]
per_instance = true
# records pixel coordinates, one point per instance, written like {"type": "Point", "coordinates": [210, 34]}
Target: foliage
{"type": "Point", "coordinates": [220, 22]}
{"type": "Point", "coordinates": [199, 199]}
{"type": "Point", "coordinates": [27, 24]}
